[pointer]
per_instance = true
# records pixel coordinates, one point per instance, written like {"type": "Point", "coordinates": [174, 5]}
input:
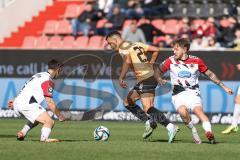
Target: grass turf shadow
{"type": "Point", "coordinates": [7, 136]}
{"type": "Point", "coordinates": [66, 140]}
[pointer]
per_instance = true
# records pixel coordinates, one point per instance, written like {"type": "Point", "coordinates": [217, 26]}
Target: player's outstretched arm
{"type": "Point", "coordinates": [52, 106]}
{"type": "Point", "coordinates": [125, 67]}
{"type": "Point", "coordinates": [158, 75]}
{"type": "Point", "coordinates": [10, 103]}
{"type": "Point", "coordinates": [155, 51]}
{"type": "Point", "coordinates": [212, 76]}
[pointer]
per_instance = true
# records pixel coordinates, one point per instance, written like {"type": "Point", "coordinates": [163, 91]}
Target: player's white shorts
{"type": "Point", "coordinates": [29, 111]}
{"type": "Point", "coordinates": [189, 98]}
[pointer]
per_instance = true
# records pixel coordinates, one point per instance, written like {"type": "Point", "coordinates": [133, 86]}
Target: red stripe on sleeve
{"type": "Point", "coordinates": [202, 66]}
{"type": "Point", "coordinates": [47, 88]}
{"type": "Point", "coordinates": [165, 65]}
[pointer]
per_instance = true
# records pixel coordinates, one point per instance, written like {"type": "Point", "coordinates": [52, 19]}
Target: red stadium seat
{"type": "Point", "coordinates": [101, 23]}
{"type": "Point", "coordinates": [42, 42]}
{"type": "Point", "coordinates": [170, 27]}
{"type": "Point", "coordinates": [64, 27]}
{"type": "Point", "coordinates": [199, 22]}
{"type": "Point", "coordinates": [68, 42]}
{"type": "Point", "coordinates": [156, 40]}
{"type": "Point", "coordinates": [158, 23]}
{"type": "Point", "coordinates": [81, 42]}
{"type": "Point", "coordinates": [95, 42]}
{"type": "Point", "coordinates": [104, 45]}
{"type": "Point", "coordinates": [171, 22]}
{"type": "Point", "coordinates": [29, 42]}
{"type": "Point", "coordinates": [55, 42]}
{"type": "Point", "coordinates": [50, 27]}
{"type": "Point", "coordinates": [72, 11]}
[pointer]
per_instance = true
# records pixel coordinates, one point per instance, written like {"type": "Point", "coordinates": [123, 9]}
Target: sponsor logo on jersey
{"type": "Point", "coordinates": [184, 74]}
{"type": "Point", "coordinates": [194, 57]}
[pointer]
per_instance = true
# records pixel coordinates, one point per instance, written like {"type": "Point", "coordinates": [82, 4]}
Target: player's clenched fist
{"type": "Point", "coordinates": [61, 118]}
{"type": "Point", "coordinates": [10, 104]}
{"type": "Point", "coordinates": [228, 90]}
{"type": "Point", "coordinates": [161, 81]}
{"type": "Point", "coordinates": [122, 83]}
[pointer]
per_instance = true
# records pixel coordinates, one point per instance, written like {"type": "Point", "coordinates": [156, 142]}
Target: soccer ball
{"type": "Point", "coordinates": [101, 133]}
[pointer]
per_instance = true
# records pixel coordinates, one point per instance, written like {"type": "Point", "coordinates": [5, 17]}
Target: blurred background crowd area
{"type": "Point", "coordinates": [209, 24]}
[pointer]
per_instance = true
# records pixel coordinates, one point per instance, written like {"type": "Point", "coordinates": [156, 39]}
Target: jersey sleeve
{"type": "Point", "coordinates": [123, 52]}
{"type": "Point", "coordinates": [144, 46]}
{"type": "Point", "coordinates": [124, 48]}
{"type": "Point", "coordinates": [202, 66]}
{"type": "Point", "coordinates": [47, 88]}
{"type": "Point", "coordinates": [165, 66]}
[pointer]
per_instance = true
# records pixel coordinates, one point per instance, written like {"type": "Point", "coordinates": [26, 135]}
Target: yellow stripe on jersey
{"type": "Point", "coordinates": [137, 51]}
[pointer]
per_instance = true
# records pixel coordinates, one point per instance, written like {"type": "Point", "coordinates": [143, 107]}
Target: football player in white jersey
{"type": "Point", "coordinates": [184, 72]}
{"type": "Point", "coordinates": [236, 114]}
{"type": "Point", "coordinates": [27, 103]}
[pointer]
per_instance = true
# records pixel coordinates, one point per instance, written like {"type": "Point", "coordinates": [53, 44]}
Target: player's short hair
{"type": "Point", "coordinates": [54, 64]}
{"type": "Point", "coordinates": [113, 33]}
{"type": "Point", "coordinates": [182, 42]}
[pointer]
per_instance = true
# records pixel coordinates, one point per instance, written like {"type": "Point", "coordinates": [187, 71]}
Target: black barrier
{"type": "Point", "coordinates": [100, 64]}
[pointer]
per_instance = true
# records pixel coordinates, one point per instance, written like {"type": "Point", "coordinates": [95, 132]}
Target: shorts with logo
{"type": "Point", "coordinates": [188, 97]}
{"type": "Point", "coordinates": [30, 111]}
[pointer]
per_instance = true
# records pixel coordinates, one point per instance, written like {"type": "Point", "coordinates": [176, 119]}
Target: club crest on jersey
{"type": "Point", "coordinates": [184, 74]}
{"type": "Point", "coordinates": [191, 65]}
{"type": "Point", "coordinates": [50, 90]}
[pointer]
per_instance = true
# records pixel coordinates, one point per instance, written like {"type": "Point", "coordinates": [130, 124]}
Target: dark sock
{"type": "Point", "coordinates": [32, 125]}
{"type": "Point", "coordinates": [138, 112]}
{"type": "Point", "coordinates": [158, 116]}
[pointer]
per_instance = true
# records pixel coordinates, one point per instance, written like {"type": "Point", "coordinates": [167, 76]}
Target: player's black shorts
{"type": "Point", "coordinates": [146, 86]}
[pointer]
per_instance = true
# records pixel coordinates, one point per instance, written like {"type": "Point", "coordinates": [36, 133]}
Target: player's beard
{"type": "Point", "coordinates": [55, 76]}
{"type": "Point", "coordinates": [178, 56]}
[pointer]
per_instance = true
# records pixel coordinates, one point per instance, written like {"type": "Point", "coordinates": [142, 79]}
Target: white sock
{"type": "Point", "coordinates": [170, 126]}
{"type": "Point", "coordinates": [25, 129]}
{"type": "Point", "coordinates": [207, 126]}
{"type": "Point", "coordinates": [190, 125]}
{"type": "Point", "coordinates": [45, 132]}
{"type": "Point", "coordinates": [236, 114]}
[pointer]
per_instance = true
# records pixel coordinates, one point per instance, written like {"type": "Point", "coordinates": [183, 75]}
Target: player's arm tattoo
{"type": "Point", "coordinates": [52, 106]}
{"type": "Point", "coordinates": [50, 101]}
{"type": "Point", "coordinates": [213, 77]}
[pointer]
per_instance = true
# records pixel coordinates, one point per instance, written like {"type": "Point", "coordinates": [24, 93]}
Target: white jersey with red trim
{"type": "Point", "coordinates": [184, 73]}
{"type": "Point", "coordinates": [36, 89]}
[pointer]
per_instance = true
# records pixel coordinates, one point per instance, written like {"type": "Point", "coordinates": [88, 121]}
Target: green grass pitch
{"type": "Point", "coordinates": [125, 143]}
